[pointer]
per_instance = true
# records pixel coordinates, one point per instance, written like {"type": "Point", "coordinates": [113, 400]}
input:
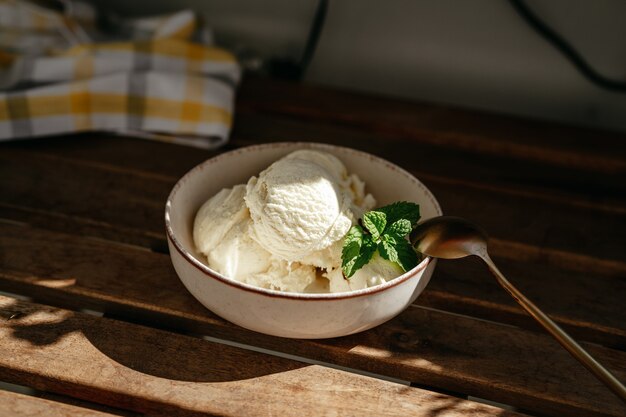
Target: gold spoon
{"type": "Point", "coordinates": [448, 237]}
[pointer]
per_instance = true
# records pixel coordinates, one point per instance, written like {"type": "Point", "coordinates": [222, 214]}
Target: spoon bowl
{"type": "Point", "coordinates": [448, 237]}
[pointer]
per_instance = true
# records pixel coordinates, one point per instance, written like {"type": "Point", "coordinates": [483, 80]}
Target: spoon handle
{"type": "Point", "coordinates": [559, 334]}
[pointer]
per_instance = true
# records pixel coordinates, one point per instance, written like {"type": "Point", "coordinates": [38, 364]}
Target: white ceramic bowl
{"type": "Point", "coordinates": [307, 316]}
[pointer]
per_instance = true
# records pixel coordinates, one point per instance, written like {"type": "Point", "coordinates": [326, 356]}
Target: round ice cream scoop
{"type": "Point", "coordinates": [217, 216]}
{"type": "Point", "coordinates": [298, 208]}
{"type": "Point", "coordinates": [352, 185]}
{"type": "Point", "coordinates": [222, 233]}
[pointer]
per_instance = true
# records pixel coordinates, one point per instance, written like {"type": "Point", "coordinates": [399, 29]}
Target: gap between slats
{"type": "Point", "coordinates": [18, 405]}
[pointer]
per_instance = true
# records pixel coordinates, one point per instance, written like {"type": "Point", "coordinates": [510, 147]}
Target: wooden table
{"type": "Point", "coordinates": [81, 236]}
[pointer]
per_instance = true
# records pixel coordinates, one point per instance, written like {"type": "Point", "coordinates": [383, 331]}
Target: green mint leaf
{"type": "Point", "coordinates": [399, 229]}
{"type": "Point", "coordinates": [401, 210]}
{"type": "Point", "coordinates": [366, 251]}
{"type": "Point", "coordinates": [387, 227]}
{"type": "Point", "coordinates": [390, 239]}
{"type": "Point", "coordinates": [349, 252]}
{"type": "Point", "coordinates": [387, 249]}
{"type": "Point", "coordinates": [352, 244]}
{"type": "Point", "coordinates": [407, 257]}
{"type": "Point", "coordinates": [375, 222]}
{"type": "Point", "coordinates": [355, 234]}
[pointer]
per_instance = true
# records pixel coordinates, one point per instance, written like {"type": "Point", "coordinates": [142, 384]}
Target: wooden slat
{"type": "Point", "coordinates": [108, 195]}
{"type": "Point", "coordinates": [110, 203]}
{"type": "Point", "coordinates": [158, 372]}
{"type": "Point", "coordinates": [470, 169]}
{"type": "Point", "coordinates": [433, 348]}
{"type": "Point", "coordinates": [445, 126]}
{"type": "Point", "coordinates": [106, 150]}
{"type": "Point", "coordinates": [18, 405]}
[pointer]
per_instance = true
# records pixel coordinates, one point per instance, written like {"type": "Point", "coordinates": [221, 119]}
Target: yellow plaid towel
{"type": "Point", "coordinates": [160, 85]}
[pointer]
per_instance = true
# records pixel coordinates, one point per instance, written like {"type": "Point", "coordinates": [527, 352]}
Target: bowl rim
{"type": "Point", "coordinates": [207, 271]}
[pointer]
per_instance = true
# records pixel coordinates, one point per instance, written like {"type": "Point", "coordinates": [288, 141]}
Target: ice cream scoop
{"type": "Point", "coordinates": [222, 232]}
{"type": "Point", "coordinates": [298, 207]}
{"type": "Point", "coordinates": [350, 184]}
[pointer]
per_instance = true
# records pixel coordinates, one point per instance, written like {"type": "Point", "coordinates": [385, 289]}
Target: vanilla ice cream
{"type": "Point", "coordinates": [297, 208]}
{"type": "Point", "coordinates": [284, 229]}
{"type": "Point", "coordinates": [222, 232]}
{"type": "Point", "coordinates": [352, 185]}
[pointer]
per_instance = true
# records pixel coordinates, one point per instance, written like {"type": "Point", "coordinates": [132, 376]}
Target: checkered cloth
{"type": "Point", "coordinates": [160, 85]}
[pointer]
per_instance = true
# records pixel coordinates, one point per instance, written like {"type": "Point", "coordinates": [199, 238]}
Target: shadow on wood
{"type": "Point", "coordinates": [149, 351]}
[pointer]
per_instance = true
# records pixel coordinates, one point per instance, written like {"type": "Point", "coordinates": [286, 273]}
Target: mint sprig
{"type": "Point", "coordinates": [384, 230]}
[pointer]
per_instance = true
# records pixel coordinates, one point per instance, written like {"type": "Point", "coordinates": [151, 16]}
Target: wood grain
{"type": "Point", "coordinates": [590, 309]}
{"type": "Point", "coordinates": [593, 321]}
{"type": "Point", "coordinates": [433, 348]}
{"type": "Point", "coordinates": [134, 204]}
{"type": "Point", "coordinates": [91, 193]}
{"type": "Point", "coordinates": [90, 200]}
{"type": "Point", "coordinates": [506, 172]}
{"type": "Point", "coordinates": [560, 187]}
{"type": "Point", "coordinates": [496, 134]}
{"type": "Point", "coordinates": [162, 373]}
{"type": "Point", "coordinates": [18, 405]}
{"type": "Point", "coordinates": [474, 169]}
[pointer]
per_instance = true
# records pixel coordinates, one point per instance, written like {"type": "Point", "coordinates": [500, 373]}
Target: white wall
{"type": "Point", "coordinates": [472, 53]}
